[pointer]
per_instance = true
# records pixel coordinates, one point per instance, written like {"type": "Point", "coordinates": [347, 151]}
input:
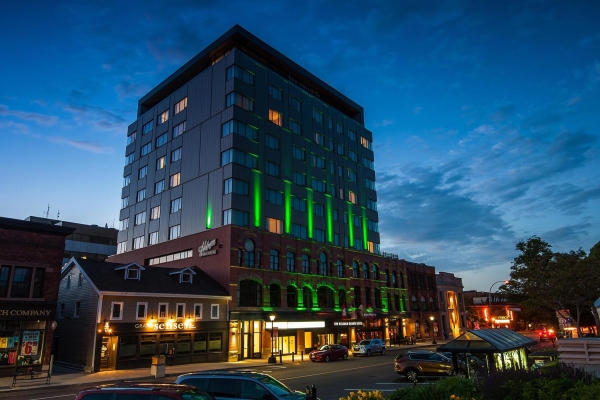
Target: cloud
{"type": "Point", "coordinates": [28, 116]}
{"type": "Point", "coordinates": [503, 113]}
{"type": "Point", "coordinates": [385, 122]}
{"type": "Point", "coordinates": [98, 116]}
{"type": "Point", "coordinates": [571, 233]}
{"type": "Point", "coordinates": [19, 128]}
{"type": "Point", "coordinates": [82, 145]}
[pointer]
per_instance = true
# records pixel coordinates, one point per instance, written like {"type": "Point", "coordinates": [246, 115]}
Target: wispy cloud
{"type": "Point", "coordinates": [28, 116]}
{"type": "Point", "coordinates": [98, 116]}
{"type": "Point", "coordinates": [82, 145]}
{"type": "Point", "coordinates": [385, 122]}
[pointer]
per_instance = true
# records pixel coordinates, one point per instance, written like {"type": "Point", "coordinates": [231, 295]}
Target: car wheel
{"type": "Point", "coordinates": [412, 375]}
{"type": "Point", "coordinates": [368, 353]}
{"type": "Point", "coordinates": [345, 356]}
{"type": "Point", "coordinates": [383, 351]}
{"type": "Point", "coordinates": [326, 358]}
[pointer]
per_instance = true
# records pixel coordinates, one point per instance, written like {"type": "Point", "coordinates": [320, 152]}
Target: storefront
{"type": "Point", "coordinates": [132, 345]}
{"type": "Point", "coordinates": [24, 338]}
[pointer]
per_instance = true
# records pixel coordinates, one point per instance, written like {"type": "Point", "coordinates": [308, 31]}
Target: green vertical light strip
{"type": "Point", "coordinates": [256, 178]}
{"type": "Point", "coordinates": [209, 214]}
{"type": "Point", "coordinates": [350, 225]}
{"type": "Point", "coordinates": [309, 206]}
{"type": "Point", "coordinates": [329, 218]}
{"type": "Point", "coordinates": [288, 206]}
{"type": "Point", "coordinates": [364, 229]}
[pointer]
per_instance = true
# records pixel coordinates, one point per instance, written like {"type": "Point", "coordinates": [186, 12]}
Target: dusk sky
{"type": "Point", "coordinates": [485, 115]}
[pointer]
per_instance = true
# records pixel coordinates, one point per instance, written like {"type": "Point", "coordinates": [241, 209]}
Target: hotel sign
{"type": "Point", "coordinates": [166, 326]}
{"type": "Point", "coordinates": [347, 323]}
{"type": "Point", "coordinates": [27, 312]}
{"type": "Point", "coordinates": [206, 248]}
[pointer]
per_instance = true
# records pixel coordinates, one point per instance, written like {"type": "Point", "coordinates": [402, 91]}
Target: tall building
{"type": "Point", "coordinates": [452, 305]}
{"type": "Point", "coordinates": [247, 166]}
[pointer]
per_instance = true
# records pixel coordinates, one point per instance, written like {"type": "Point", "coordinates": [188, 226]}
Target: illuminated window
{"type": "Point", "coordinates": [155, 213]}
{"type": "Point", "coordinates": [163, 117]}
{"type": "Point", "coordinates": [161, 162]}
{"type": "Point", "coordinates": [274, 225]}
{"type": "Point", "coordinates": [276, 117]}
{"type": "Point", "coordinates": [138, 242]}
{"type": "Point", "coordinates": [175, 180]}
{"type": "Point", "coordinates": [366, 143]}
{"type": "Point", "coordinates": [352, 197]}
{"type": "Point", "coordinates": [180, 106]}
{"type": "Point", "coordinates": [140, 218]}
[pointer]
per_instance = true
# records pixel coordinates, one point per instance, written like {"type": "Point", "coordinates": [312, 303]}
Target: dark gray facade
{"type": "Point", "coordinates": [328, 196]}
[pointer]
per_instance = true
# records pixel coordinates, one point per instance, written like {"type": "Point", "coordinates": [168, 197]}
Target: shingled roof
{"type": "Point", "coordinates": [110, 277]}
{"type": "Point", "coordinates": [487, 341]}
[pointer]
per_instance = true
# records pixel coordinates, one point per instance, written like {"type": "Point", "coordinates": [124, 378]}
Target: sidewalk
{"type": "Point", "coordinates": [67, 377]}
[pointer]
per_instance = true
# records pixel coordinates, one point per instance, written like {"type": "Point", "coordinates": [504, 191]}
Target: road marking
{"type": "Point", "coordinates": [55, 397]}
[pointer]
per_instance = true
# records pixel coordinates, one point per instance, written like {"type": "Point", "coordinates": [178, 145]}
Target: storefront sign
{"type": "Point", "coordinates": [27, 312]}
{"type": "Point", "coordinates": [205, 248]}
{"type": "Point", "coordinates": [29, 346]}
{"type": "Point", "coordinates": [347, 323]}
{"type": "Point", "coordinates": [166, 326]}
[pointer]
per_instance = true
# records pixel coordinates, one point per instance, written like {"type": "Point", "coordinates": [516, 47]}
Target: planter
{"type": "Point", "coordinates": [158, 360]}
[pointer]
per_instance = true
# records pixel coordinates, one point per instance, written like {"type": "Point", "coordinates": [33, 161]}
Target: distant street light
{"type": "Point", "coordinates": [432, 331]}
{"type": "Point", "coordinates": [490, 295]}
{"type": "Point", "coordinates": [272, 359]}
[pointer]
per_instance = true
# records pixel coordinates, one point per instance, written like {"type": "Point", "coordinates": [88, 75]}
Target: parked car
{"type": "Point", "coordinates": [414, 364]}
{"type": "Point", "coordinates": [329, 352]}
{"type": "Point", "coordinates": [475, 363]}
{"type": "Point", "coordinates": [143, 391]}
{"type": "Point", "coordinates": [234, 384]}
{"type": "Point", "coordinates": [368, 346]}
{"type": "Point", "coordinates": [546, 334]}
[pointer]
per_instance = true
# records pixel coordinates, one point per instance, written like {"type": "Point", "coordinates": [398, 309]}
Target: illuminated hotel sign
{"type": "Point", "coordinates": [347, 323]}
{"type": "Point", "coordinates": [206, 248]}
{"type": "Point", "coordinates": [166, 326]}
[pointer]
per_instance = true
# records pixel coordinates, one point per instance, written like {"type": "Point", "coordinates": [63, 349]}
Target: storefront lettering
{"type": "Point", "coordinates": [205, 248]}
{"type": "Point", "coordinates": [347, 323]}
{"type": "Point", "coordinates": [29, 313]}
{"type": "Point", "coordinates": [161, 326]}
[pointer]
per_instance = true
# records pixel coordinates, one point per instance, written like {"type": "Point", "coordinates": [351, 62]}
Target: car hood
{"type": "Point", "coordinates": [317, 352]}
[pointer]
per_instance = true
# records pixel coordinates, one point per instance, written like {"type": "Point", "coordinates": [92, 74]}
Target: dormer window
{"type": "Point", "coordinates": [132, 273]}
{"type": "Point", "coordinates": [186, 275]}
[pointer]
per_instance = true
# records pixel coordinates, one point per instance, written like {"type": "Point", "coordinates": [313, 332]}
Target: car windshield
{"type": "Point", "coordinates": [365, 342]}
{"type": "Point", "coordinates": [323, 348]}
{"type": "Point", "coordinates": [275, 386]}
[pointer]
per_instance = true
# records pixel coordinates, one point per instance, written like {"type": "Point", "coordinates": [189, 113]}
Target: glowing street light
{"type": "Point", "coordinates": [432, 332]}
{"type": "Point", "coordinates": [272, 359]}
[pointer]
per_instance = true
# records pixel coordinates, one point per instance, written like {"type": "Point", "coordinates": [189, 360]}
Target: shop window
{"type": "Point", "coordinates": [116, 310]}
{"type": "Point", "coordinates": [292, 296]}
{"type": "Point", "coordinates": [147, 345]}
{"type": "Point", "coordinates": [184, 344]}
{"type": "Point", "coordinates": [200, 342]}
{"type": "Point", "coordinates": [167, 344]}
{"type": "Point", "coordinates": [215, 344]}
{"type": "Point", "coordinates": [127, 346]}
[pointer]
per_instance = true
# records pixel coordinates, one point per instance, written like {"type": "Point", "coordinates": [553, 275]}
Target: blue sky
{"type": "Point", "coordinates": [485, 117]}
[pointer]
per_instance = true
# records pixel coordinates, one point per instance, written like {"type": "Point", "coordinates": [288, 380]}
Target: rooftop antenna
{"type": "Point", "coordinates": [47, 211]}
{"type": "Point", "coordinates": [58, 214]}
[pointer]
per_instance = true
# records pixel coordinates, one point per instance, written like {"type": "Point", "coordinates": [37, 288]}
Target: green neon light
{"type": "Point", "coordinates": [350, 225]}
{"type": "Point", "coordinates": [329, 218]}
{"type": "Point", "coordinates": [364, 229]}
{"type": "Point", "coordinates": [288, 206]}
{"type": "Point", "coordinates": [256, 178]}
{"type": "Point", "coordinates": [309, 206]}
{"type": "Point", "coordinates": [208, 211]}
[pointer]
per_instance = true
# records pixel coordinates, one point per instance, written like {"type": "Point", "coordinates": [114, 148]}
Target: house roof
{"type": "Point", "coordinates": [109, 277]}
{"type": "Point", "coordinates": [487, 341]}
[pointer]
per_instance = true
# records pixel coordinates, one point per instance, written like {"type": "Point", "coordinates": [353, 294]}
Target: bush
{"type": "Point", "coordinates": [360, 395]}
{"type": "Point", "coordinates": [452, 388]}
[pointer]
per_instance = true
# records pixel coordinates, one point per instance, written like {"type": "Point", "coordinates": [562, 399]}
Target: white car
{"type": "Point", "coordinates": [368, 347]}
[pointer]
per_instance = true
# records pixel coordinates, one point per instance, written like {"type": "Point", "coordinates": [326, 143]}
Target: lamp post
{"type": "Point", "coordinates": [272, 359]}
{"type": "Point", "coordinates": [490, 295]}
{"type": "Point", "coordinates": [431, 318]}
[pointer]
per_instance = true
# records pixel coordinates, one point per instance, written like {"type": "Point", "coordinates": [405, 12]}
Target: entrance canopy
{"type": "Point", "coordinates": [487, 341]}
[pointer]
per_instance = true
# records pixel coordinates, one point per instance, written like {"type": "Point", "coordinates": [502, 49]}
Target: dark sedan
{"type": "Point", "coordinates": [329, 352]}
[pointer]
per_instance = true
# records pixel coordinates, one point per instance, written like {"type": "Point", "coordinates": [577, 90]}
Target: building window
{"type": "Point", "coordinates": [317, 116]}
{"type": "Point", "coordinates": [274, 225]}
{"type": "Point", "coordinates": [366, 143]}
{"type": "Point", "coordinates": [161, 162]}
{"type": "Point", "coordinates": [271, 142]}
{"type": "Point", "coordinates": [274, 260]}
{"type": "Point", "coordinates": [370, 183]}
{"type": "Point", "coordinates": [294, 103]}
{"type": "Point", "coordinates": [121, 247]}
{"type": "Point", "coordinates": [305, 264]}
{"type": "Point", "coordinates": [138, 242]}
{"type": "Point", "coordinates": [180, 106]}
{"type": "Point", "coordinates": [292, 296]}
{"type": "Point", "coordinates": [353, 155]}
{"type": "Point", "coordinates": [240, 73]}
{"type": "Point", "coordinates": [77, 310]}
{"type": "Point", "coordinates": [299, 178]}
{"type": "Point", "coordinates": [154, 213]}
{"type": "Point", "coordinates": [351, 176]}
{"type": "Point", "coordinates": [175, 179]}
{"type": "Point", "coordinates": [180, 310]}
{"type": "Point", "coordinates": [235, 217]}
{"type": "Point", "coordinates": [352, 135]}
{"type": "Point", "coordinates": [124, 224]}
{"type": "Point", "coordinates": [239, 100]}
{"type": "Point", "coordinates": [239, 157]}
{"type": "Point", "coordinates": [318, 161]}
{"type": "Point", "coordinates": [197, 311]}
{"type": "Point", "coordinates": [178, 129]}
{"type": "Point", "coordinates": [329, 122]}
{"type": "Point", "coordinates": [174, 232]}
{"type": "Point", "coordinates": [275, 295]}
{"type": "Point", "coordinates": [273, 197]}
{"type": "Point", "coordinates": [299, 153]}
{"type": "Point", "coordinates": [290, 262]}
{"type": "Point", "coordinates": [318, 185]}
{"type": "Point", "coordinates": [295, 127]}
{"type": "Point", "coordinates": [147, 148]}
{"type": "Point", "coordinates": [176, 155]}
{"type": "Point", "coordinates": [372, 226]}
{"type": "Point", "coordinates": [175, 205]}
{"type": "Point", "coordinates": [147, 127]}
{"type": "Point", "coordinates": [276, 117]}
{"type": "Point", "coordinates": [163, 310]}
{"type": "Point", "coordinates": [142, 172]}
{"type": "Point", "coordinates": [340, 149]}
{"type": "Point", "coordinates": [341, 193]}
{"type": "Point", "coordinates": [152, 238]}
{"type": "Point", "coordinates": [163, 117]}
{"type": "Point", "coordinates": [340, 269]}
{"type": "Point", "coordinates": [375, 270]}
{"type": "Point", "coordinates": [116, 310]}
{"type": "Point", "coordinates": [299, 231]}
{"type": "Point", "coordinates": [354, 269]}
{"type": "Point", "coordinates": [141, 312]}
{"type": "Point", "coordinates": [323, 264]}
{"type": "Point", "coordinates": [318, 210]}
{"type": "Point", "coordinates": [318, 138]}
{"type": "Point", "coordinates": [236, 186]}
{"type": "Point", "coordinates": [234, 126]}
{"type": "Point", "coordinates": [126, 180]}
{"type": "Point", "coordinates": [159, 186]}
{"type": "Point", "coordinates": [352, 197]}
{"type": "Point", "coordinates": [339, 128]}
{"type": "Point", "coordinates": [298, 204]}
{"type": "Point", "coordinates": [214, 311]}
{"type": "Point", "coordinates": [272, 168]}
{"type": "Point", "coordinates": [21, 281]}
{"type": "Point", "coordinates": [371, 204]}
{"type": "Point", "coordinates": [161, 140]}
{"type": "Point", "coordinates": [368, 163]}
{"type": "Point", "coordinates": [275, 93]}
{"type": "Point", "coordinates": [307, 297]}
{"type": "Point", "coordinates": [131, 138]}
{"type": "Point", "coordinates": [319, 235]}
{"type": "Point", "coordinates": [129, 158]}
{"type": "Point", "coordinates": [140, 218]}
{"type": "Point", "coordinates": [365, 270]}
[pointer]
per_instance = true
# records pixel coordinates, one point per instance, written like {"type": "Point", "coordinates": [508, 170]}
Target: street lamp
{"type": "Point", "coordinates": [432, 331]}
{"type": "Point", "coordinates": [490, 295]}
{"type": "Point", "coordinates": [272, 359]}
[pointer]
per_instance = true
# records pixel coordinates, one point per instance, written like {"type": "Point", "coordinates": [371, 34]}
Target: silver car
{"type": "Point", "coordinates": [368, 346]}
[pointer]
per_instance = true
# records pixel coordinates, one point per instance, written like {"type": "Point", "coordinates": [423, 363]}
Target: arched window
{"type": "Point", "coordinates": [432, 306]}
{"type": "Point", "coordinates": [368, 297]}
{"type": "Point", "coordinates": [414, 304]}
{"type": "Point", "coordinates": [307, 297]}
{"type": "Point", "coordinates": [342, 298]}
{"type": "Point", "coordinates": [397, 302]}
{"type": "Point", "coordinates": [375, 272]}
{"type": "Point", "coordinates": [401, 280]}
{"type": "Point", "coordinates": [246, 255]}
{"type": "Point", "coordinates": [275, 295]}
{"type": "Point", "coordinates": [323, 264]}
{"type": "Point", "coordinates": [340, 268]}
{"type": "Point", "coordinates": [389, 302]}
{"type": "Point", "coordinates": [377, 298]}
{"type": "Point", "coordinates": [274, 260]}
{"type": "Point", "coordinates": [394, 279]}
{"type": "Point", "coordinates": [292, 296]}
{"type": "Point", "coordinates": [403, 305]}
{"type": "Point", "coordinates": [423, 304]}
{"type": "Point", "coordinates": [325, 297]}
{"type": "Point", "coordinates": [305, 264]}
{"type": "Point", "coordinates": [249, 294]}
{"type": "Point", "coordinates": [365, 270]}
{"type": "Point", "coordinates": [387, 277]}
{"type": "Point", "coordinates": [290, 262]}
{"type": "Point", "coordinates": [357, 300]}
{"type": "Point", "coordinates": [354, 269]}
